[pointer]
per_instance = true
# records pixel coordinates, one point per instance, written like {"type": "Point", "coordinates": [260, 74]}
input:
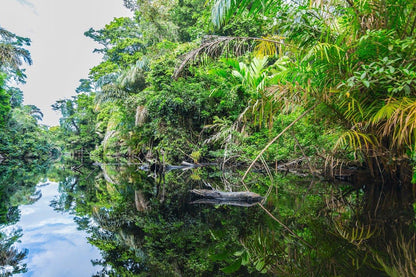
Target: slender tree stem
{"type": "Point", "coordinates": [275, 138]}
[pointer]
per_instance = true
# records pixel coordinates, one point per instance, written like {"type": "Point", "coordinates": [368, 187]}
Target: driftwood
{"type": "Point", "coordinates": [242, 198]}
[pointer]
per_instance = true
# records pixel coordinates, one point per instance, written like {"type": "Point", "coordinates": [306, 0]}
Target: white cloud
{"type": "Point", "coordinates": [56, 246]}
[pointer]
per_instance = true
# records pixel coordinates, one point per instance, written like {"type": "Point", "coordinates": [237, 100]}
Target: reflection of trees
{"type": "Point", "coordinates": [399, 259]}
{"type": "Point", "coordinates": [65, 200]}
{"type": "Point", "coordinates": [377, 225]}
{"type": "Point", "coordinates": [121, 250]}
{"type": "Point", "coordinates": [138, 235]}
{"type": "Point", "coordinates": [355, 232]}
{"type": "Point", "coordinates": [10, 257]}
{"type": "Point", "coordinates": [18, 186]}
{"type": "Point", "coordinates": [76, 186]}
{"type": "Point", "coordinates": [170, 237]}
{"type": "Point", "coordinates": [391, 210]}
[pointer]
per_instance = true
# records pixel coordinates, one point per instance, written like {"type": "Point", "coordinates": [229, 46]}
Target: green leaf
{"type": "Point", "coordinates": [232, 267]}
{"type": "Point", "coordinates": [260, 265]}
{"type": "Point", "coordinates": [239, 253]}
{"type": "Point", "coordinates": [245, 259]}
{"type": "Point", "coordinates": [406, 89]}
{"type": "Point", "coordinates": [366, 83]}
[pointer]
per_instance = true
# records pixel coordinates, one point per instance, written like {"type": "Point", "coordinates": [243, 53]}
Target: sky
{"type": "Point", "coordinates": [61, 54]}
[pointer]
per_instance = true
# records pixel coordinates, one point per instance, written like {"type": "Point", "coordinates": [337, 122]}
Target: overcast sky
{"type": "Point", "coordinates": [61, 54]}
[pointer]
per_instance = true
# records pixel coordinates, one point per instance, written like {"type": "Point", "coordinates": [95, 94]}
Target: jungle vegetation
{"type": "Point", "coordinates": [22, 137]}
{"type": "Point", "coordinates": [25, 147]}
{"type": "Point", "coordinates": [322, 88]}
{"type": "Point", "coordinates": [221, 79]}
{"type": "Point", "coordinates": [314, 87]}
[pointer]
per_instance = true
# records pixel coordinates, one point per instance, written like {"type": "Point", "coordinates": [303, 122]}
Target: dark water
{"type": "Point", "coordinates": [117, 220]}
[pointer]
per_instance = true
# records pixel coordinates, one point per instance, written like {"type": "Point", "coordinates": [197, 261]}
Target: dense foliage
{"type": "Point", "coordinates": [25, 148]}
{"type": "Point", "coordinates": [21, 135]}
{"type": "Point", "coordinates": [187, 77]}
{"type": "Point", "coordinates": [322, 87]}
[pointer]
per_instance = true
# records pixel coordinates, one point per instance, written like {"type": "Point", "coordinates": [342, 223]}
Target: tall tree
{"type": "Point", "coordinates": [13, 53]}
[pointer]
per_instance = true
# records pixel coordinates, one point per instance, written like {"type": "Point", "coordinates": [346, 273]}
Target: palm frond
{"type": "Point", "coordinates": [324, 51]}
{"type": "Point", "coordinates": [353, 109]}
{"type": "Point", "coordinates": [397, 119]}
{"type": "Point", "coordinates": [13, 56]}
{"type": "Point", "coordinates": [226, 131]}
{"type": "Point", "coordinates": [107, 79]}
{"type": "Point", "coordinates": [215, 46]}
{"type": "Point", "coordinates": [356, 140]}
{"type": "Point", "coordinates": [223, 10]}
{"type": "Point", "coordinates": [220, 10]}
{"type": "Point", "coordinates": [110, 92]}
{"type": "Point", "coordinates": [132, 79]}
{"type": "Point", "coordinates": [356, 234]}
{"type": "Point", "coordinates": [267, 48]}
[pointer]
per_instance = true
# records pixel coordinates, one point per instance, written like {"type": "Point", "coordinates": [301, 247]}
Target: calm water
{"type": "Point", "coordinates": [56, 246]}
{"type": "Point", "coordinates": [117, 220]}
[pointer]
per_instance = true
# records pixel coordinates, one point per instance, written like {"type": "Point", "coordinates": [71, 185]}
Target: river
{"type": "Point", "coordinates": [118, 220]}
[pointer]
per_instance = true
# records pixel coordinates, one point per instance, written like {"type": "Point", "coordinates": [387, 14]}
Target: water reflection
{"type": "Point", "coordinates": [17, 186]}
{"type": "Point", "coordinates": [142, 233]}
{"type": "Point", "coordinates": [56, 248]}
{"type": "Point", "coordinates": [11, 259]}
{"type": "Point", "coordinates": [36, 240]}
{"type": "Point", "coordinates": [146, 226]}
{"type": "Point", "coordinates": [144, 229]}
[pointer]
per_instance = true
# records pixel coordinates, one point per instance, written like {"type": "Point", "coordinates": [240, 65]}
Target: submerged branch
{"type": "Point", "coordinates": [241, 198]}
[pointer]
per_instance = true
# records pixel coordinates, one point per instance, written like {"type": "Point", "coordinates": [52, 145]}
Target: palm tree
{"type": "Point", "coordinates": [12, 51]}
{"type": "Point", "coordinates": [117, 86]}
{"type": "Point", "coordinates": [355, 58]}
